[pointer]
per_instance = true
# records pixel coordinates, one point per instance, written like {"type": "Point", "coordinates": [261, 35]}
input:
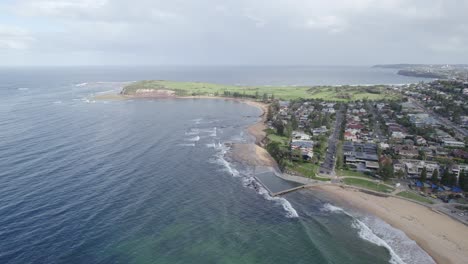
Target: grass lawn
{"type": "Point", "coordinates": [329, 93]}
{"type": "Point", "coordinates": [308, 170]}
{"type": "Point", "coordinates": [368, 185]}
{"type": "Point", "coordinates": [415, 196]}
{"type": "Point", "coordinates": [351, 173]}
{"type": "Point", "coordinates": [284, 141]}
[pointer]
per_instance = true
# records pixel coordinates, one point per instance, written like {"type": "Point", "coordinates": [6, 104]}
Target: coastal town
{"type": "Point", "coordinates": [395, 151]}
{"type": "Point", "coordinates": [413, 148]}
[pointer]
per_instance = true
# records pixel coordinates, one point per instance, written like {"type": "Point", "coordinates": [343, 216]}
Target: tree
{"type": "Point", "coordinates": [453, 179]}
{"type": "Point", "coordinates": [294, 123]}
{"type": "Point", "coordinates": [435, 176]}
{"type": "Point", "coordinates": [462, 180]}
{"type": "Point", "coordinates": [445, 180]}
{"type": "Point", "coordinates": [387, 171]}
{"type": "Point", "coordinates": [423, 174]}
{"type": "Point", "coordinates": [265, 97]}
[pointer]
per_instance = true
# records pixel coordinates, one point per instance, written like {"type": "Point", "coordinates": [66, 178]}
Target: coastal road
{"type": "Point", "coordinates": [328, 165]}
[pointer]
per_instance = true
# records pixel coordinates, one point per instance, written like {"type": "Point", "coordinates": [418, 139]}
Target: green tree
{"type": "Point", "coordinates": [423, 174]}
{"type": "Point", "coordinates": [387, 171]}
{"type": "Point", "coordinates": [453, 179]}
{"type": "Point", "coordinates": [435, 176]}
{"type": "Point", "coordinates": [445, 179]}
{"type": "Point", "coordinates": [294, 123]}
{"type": "Point", "coordinates": [462, 179]}
{"type": "Point", "coordinates": [278, 124]}
{"type": "Point", "coordinates": [265, 97]}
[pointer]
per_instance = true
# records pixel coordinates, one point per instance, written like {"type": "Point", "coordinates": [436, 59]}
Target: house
{"type": "Point", "coordinates": [306, 148]}
{"type": "Point", "coordinates": [398, 135]}
{"type": "Point", "coordinates": [422, 120]}
{"type": "Point", "coordinates": [458, 153]}
{"type": "Point", "coordinates": [457, 169]}
{"type": "Point", "coordinates": [357, 154]}
{"type": "Point", "coordinates": [413, 168]}
{"type": "Point", "coordinates": [349, 136]}
{"type": "Point", "coordinates": [406, 151]}
{"type": "Point", "coordinates": [300, 135]}
{"type": "Point", "coordinates": [420, 141]}
{"type": "Point", "coordinates": [319, 131]}
{"type": "Point", "coordinates": [453, 143]}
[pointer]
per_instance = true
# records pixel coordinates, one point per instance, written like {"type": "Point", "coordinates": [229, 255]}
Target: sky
{"type": "Point", "coordinates": [232, 32]}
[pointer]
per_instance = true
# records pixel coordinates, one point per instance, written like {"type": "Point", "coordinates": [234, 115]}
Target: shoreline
{"type": "Point", "coordinates": [443, 238]}
{"type": "Point", "coordinates": [440, 236]}
{"type": "Point", "coordinates": [437, 234]}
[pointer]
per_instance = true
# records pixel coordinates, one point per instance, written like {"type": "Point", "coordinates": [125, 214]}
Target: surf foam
{"type": "Point", "coordinates": [250, 182]}
{"type": "Point", "coordinates": [372, 229]}
{"type": "Point", "coordinates": [197, 138]}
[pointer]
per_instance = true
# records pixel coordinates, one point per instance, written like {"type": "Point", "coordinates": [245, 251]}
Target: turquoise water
{"type": "Point", "coordinates": [147, 181]}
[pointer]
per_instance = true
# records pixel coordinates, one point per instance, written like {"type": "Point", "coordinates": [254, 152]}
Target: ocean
{"type": "Point", "coordinates": [148, 181]}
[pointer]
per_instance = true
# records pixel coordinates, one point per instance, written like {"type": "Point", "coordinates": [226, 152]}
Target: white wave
{"type": "Point", "coordinates": [106, 92]}
{"type": "Point", "coordinates": [197, 138]}
{"type": "Point", "coordinates": [58, 102]}
{"type": "Point", "coordinates": [366, 233]}
{"type": "Point", "coordinates": [23, 89]}
{"type": "Point", "coordinates": [214, 134]}
{"type": "Point", "coordinates": [401, 248]}
{"type": "Point", "coordinates": [331, 208]}
{"type": "Point", "coordinates": [187, 145]}
{"type": "Point", "coordinates": [193, 131]}
{"type": "Point", "coordinates": [407, 249]}
{"type": "Point", "coordinates": [197, 120]}
{"type": "Point", "coordinates": [81, 84]}
{"type": "Point", "coordinates": [251, 182]}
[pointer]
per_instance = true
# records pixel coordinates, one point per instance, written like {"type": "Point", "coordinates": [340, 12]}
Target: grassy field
{"type": "Point", "coordinates": [368, 185]}
{"type": "Point", "coordinates": [415, 196]}
{"type": "Point", "coordinates": [351, 173]}
{"type": "Point", "coordinates": [329, 93]}
{"type": "Point", "coordinates": [284, 141]}
{"type": "Point", "coordinates": [308, 170]}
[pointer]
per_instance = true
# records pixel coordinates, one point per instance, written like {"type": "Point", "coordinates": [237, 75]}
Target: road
{"type": "Point", "coordinates": [460, 133]}
{"type": "Point", "coordinates": [328, 165]}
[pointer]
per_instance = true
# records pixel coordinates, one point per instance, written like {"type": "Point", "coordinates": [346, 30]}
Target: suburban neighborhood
{"type": "Point", "coordinates": [414, 147]}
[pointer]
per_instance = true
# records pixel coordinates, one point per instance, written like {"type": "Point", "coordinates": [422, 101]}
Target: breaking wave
{"type": "Point", "coordinates": [251, 182]}
{"type": "Point", "coordinates": [366, 233]}
{"type": "Point", "coordinates": [187, 145]}
{"type": "Point", "coordinates": [81, 84]}
{"type": "Point", "coordinates": [374, 230]}
{"type": "Point", "coordinates": [197, 138]}
{"type": "Point", "coordinates": [193, 131]}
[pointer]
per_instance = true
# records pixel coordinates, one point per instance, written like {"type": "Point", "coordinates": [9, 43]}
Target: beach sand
{"type": "Point", "coordinates": [443, 238]}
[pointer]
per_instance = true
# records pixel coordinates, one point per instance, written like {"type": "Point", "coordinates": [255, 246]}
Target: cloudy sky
{"type": "Point", "coordinates": [226, 32]}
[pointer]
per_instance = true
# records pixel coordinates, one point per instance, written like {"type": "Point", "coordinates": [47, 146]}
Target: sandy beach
{"type": "Point", "coordinates": [443, 238]}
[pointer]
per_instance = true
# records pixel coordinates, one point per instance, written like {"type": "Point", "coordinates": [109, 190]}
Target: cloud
{"type": "Point", "coordinates": [331, 24]}
{"type": "Point", "coordinates": [14, 38]}
{"type": "Point", "coordinates": [243, 31]}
